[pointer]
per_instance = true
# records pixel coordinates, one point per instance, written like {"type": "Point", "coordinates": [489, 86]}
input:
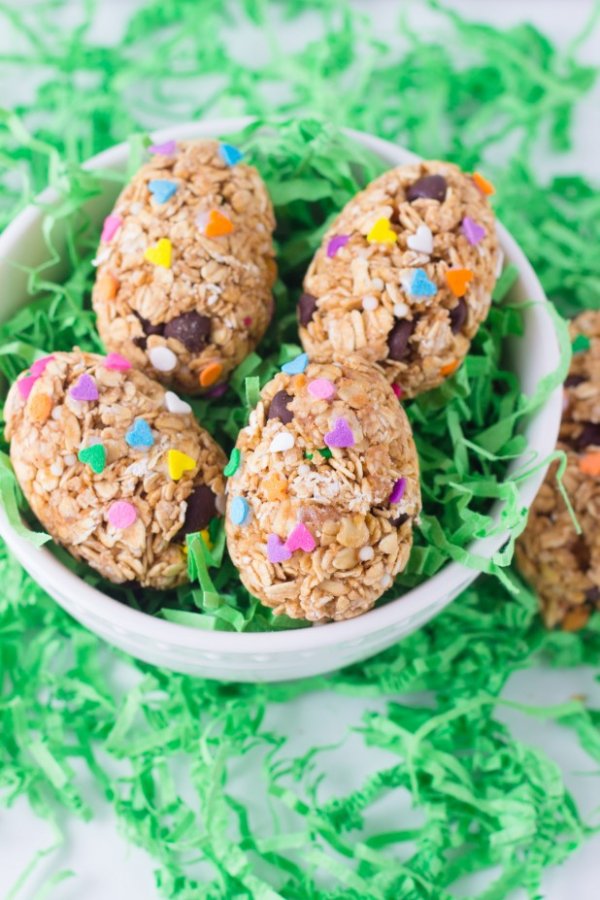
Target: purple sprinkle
{"type": "Point", "coordinates": [398, 491]}
{"type": "Point", "coordinates": [336, 243]}
{"type": "Point", "coordinates": [473, 231]}
{"type": "Point", "coordinates": [168, 148]}
{"type": "Point", "coordinates": [340, 435]}
{"type": "Point", "coordinates": [85, 389]}
{"type": "Point", "coordinates": [217, 391]}
{"type": "Point", "coordinates": [277, 552]}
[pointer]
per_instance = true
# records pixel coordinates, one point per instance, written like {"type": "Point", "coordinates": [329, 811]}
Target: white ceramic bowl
{"type": "Point", "coordinates": [289, 654]}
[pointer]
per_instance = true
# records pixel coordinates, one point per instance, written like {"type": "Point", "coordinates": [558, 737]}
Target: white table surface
{"type": "Point", "coordinates": [105, 865]}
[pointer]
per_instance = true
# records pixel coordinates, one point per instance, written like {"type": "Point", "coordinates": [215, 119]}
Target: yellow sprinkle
{"type": "Point", "coordinates": [178, 463]}
{"type": "Point", "coordinates": [206, 538]}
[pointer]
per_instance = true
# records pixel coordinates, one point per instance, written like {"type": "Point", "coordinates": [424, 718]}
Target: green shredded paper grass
{"type": "Point", "coordinates": [485, 801]}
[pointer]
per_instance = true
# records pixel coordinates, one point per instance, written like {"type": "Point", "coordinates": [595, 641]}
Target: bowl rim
{"type": "Point", "coordinates": [446, 583]}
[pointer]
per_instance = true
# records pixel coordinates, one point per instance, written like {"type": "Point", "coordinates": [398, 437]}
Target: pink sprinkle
{"type": "Point", "coordinates": [397, 390]}
{"type": "Point", "coordinates": [276, 550]}
{"type": "Point", "coordinates": [340, 435]}
{"type": "Point", "coordinates": [168, 148]}
{"type": "Point", "coordinates": [247, 321]}
{"type": "Point", "coordinates": [301, 539]}
{"type": "Point", "coordinates": [122, 514]}
{"type": "Point", "coordinates": [398, 491]}
{"type": "Point", "coordinates": [85, 389]}
{"type": "Point", "coordinates": [322, 388]}
{"type": "Point", "coordinates": [26, 384]}
{"type": "Point", "coordinates": [336, 243]}
{"type": "Point", "coordinates": [111, 225]}
{"type": "Point", "coordinates": [39, 366]}
{"type": "Point", "coordinates": [473, 231]}
{"type": "Point", "coordinates": [117, 362]}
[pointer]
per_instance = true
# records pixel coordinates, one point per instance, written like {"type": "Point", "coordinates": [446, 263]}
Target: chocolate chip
{"type": "Point", "coordinates": [278, 408]}
{"type": "Point", "coordinates": [592, 595]}
{"type": "Point", "coordinates": [399, 520]}
{"type": "Point", "coordinates": [582, 553]}
{"type": "Point", "coordinates": [590, 434]}
{"type": "Point", "coordinates": [191, 329]}
{"type": "Point", "coordinates": [574, 380]}
{"type": "Point", "coordinates": [201, 508]}
{"type": "Point", "coordinates": [148, 327]}
{"type": "Point", "coordinates": [140, 342]}
{"type": "Point", "coordinates": [306, 308]}
{"type": "Point", "coordinates": [459, 315]}
{"type": "Point", "coordinates": [429, 187]}
{"type": "Point", "coordinates": [398, 339]}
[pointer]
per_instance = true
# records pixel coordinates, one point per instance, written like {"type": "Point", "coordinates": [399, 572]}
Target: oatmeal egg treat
{"type": "Point", "coordinates": [562, 566]}
{"type": "Point", "coordinates": [186, 265]}
{"type": "Point", "coordinates": [405, 274]}
{"type": "Point", "coordinates": [324, 491]}
{"type": "Point", "coordinates": [115, 468]}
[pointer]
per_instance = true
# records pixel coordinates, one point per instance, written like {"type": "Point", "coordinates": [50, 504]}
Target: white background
{"type": "Point", "coordinates": [107, 867]}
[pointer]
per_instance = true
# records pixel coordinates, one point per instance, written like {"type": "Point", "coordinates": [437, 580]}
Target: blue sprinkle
{"type": "Point", "coordinates": [239, 510]}
{"type": "Point", "coordinates": [421, 285]}
{"type": "Point", "coordinates": [161, 189]}
{"type": "Point", "coordinates": [140, 434]}
{"type": "Point", "coordinates": [296, 366]}
{"type": "Point", "coordinates": [230, 154]}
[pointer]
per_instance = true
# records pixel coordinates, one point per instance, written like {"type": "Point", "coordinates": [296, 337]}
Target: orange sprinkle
{"type": "Point", "coordinates": [458, 280]}
{"type": "Point", "coordinates": [40, 407]}
{"type": "Point", "coordinates": [486, 187]}
{"type": "Point", "coordinates": [218, 224]}
{"type": "Point", "coordinates": [210, 374]}
{"type": "Point", "coordinates": [575, 619]}
{"type": "Point", "coordinates": [275, 487]}
{"type": "Point", "coordinates": [106, 287]}
{"type": "Point", "coordinates": [450, 367]}
{"type": "Point", "coordinates": [299, 382]}
{"type": "Point", "coordinates": [590, 464]}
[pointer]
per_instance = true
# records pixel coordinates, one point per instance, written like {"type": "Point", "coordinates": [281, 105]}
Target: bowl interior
{"type": "Point", "coordinates": [23, 245]}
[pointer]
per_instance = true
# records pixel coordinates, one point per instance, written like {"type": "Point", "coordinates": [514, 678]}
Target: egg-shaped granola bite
{"type": "Point", "coordinates": [405, 274]}
{"type": "Point", "coordinates": [115, 468]}
{"type": "Point", "coordinates": [324, 492]}
{"type": "Point", "coordinates": [186, 265]}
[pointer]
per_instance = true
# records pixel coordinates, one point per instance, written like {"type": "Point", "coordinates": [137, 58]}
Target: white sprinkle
{"type": "Point", "coordinates": [401, 310]}
{"type": "Point", "coordinates": [139, 468]}
{"type": "Point", "coordinates": [202, 221]}
{"type": "Point", "coordinates": [70, 459]}
{"type": "Point", "coordinates": [136, 208]}
{"type": "Point", "coordinates": [162, 359]}
{"type": "Point", "coordinates": [303, 469]}
{"type": "Point", "coordinates": [421, 241]}
{"type": "Point", "coordinates": [175, 404]}
{"type": "Point", "coordinates": [56, 468]}
{"type": "Point", "coordinates": [282, 441]}
{"type": "Point", "coordinates": [366, 553]}
{"type": "Point", "coordinates": [377, 284]}
{"type": "Point", "coordinates": [101, 256]}
{"type": "Point", "coordinates": [386, 581]}
{"type": "Point", "coordinates": [370, 303]}
{"type": "Point", "coordinates": [56, 412]}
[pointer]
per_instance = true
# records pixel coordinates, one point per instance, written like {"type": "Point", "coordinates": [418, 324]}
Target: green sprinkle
{"type": "Point", "coordinates": [94, 456]}
{"type": "Point", "coordinates": [581, 344]}
{"type": "Point", "coordinates": [307, 455]}
{"type": "Point", "coordinates": [234, 463]}
{"type": "Point", "coordinates": [325, 452]}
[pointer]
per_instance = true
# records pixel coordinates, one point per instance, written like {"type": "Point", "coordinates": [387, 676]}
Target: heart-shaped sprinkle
{"type": "Point", "coordinates": [336, 243]}
{"type": "Point", "coordinates": [421, 285]}
{"type": "Point", "coordinates": [176, 405]}
{"type": "Point", "coordinates": [110, 227]}
{"type": "Point", "coordinates": [421, 241]}
{"type": "Point", "coordinates": [397, 389]}
{"type": "Point", "coordinates": [282, 441]}
{"type": "Point", "coordinates": [581, 344]}
{"type": "Point", "coordinates": [25, 385]}
{"type": "Point", "coordinates": [473, 231]}
{"type": "Point", "coordinates": [275, 487]}
{"type": "Point", "coordinates": [306, 308]}
{"type": "Point", "coordinates": [217, 225]}
{"type": "Point", "coordinates": [233, 464]}
{"type": "Point", "coordinates": [140, 434]}
{"type": "Point", "coordinates": [382, 233]}
{"type": "Point", "coordinates": [167, 148]}
{"type": "Point", "coordinates": [486, 187]}
{"type": "Point", "coordinates": [122, 514]}
{"type": "Point", "coordinates": [398, 491]}
{"type": "Point", "coordinates": [428, 187]}
{"type": "Point", "coordinates": [160, 253]}
{"type": "Point", "coordinates": [210, 374]}
{"type": "Point", "coordinates": [116, 362]}
{"type": "Point", "coordinates": [278, 407]}
{"type": "Point", "coordinates": [178, 463]}
{"type": "Point", "coordinates": [230, 154]}
{"type": "Point", "coordinates": [239, 510]}
{"type": "Point", "coordinates": [162, 359]}
{"type": "Point", "coordinates": [162, 189]}
{"type": "Point", "coordinates": [277, 552]}
{"type": "Point", "coordinates": [590, 464]}
{"type": "Point", "coordinates": [85, 389]}
{"type": "Point", "coordinates": [301, 539]}
{"type": "Point", "coordinates": [296, 366]}
{"type": "Point", "coordinates": [321, 388]}
{"type": "Point", "coordinates": [459, 280]}
{"type": "Point", "coordinates": [39, 366]}
{"type": "Point", "coordinates": [340, 435]}
{"type": "Point", "coordinates": [94, 456]}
